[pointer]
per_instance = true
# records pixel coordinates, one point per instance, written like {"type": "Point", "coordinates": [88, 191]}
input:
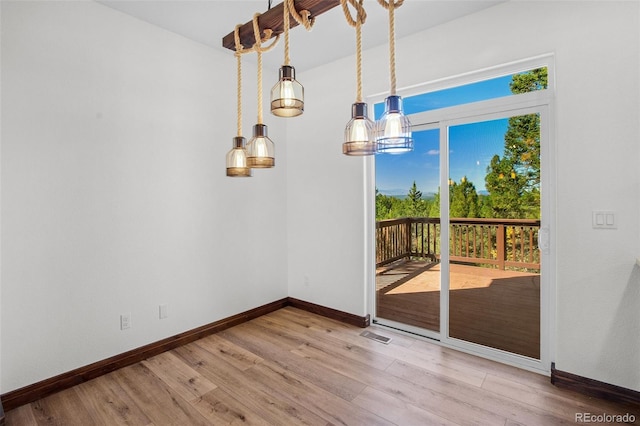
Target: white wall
{"type": "Point", "coordinates": [114, 194]}
{"type": "Point", "coordinates": [597, 49]}
{"type": "Point", "coordinates": [114, 197]}
{"type": "Point", "coordinates": [325, 197]}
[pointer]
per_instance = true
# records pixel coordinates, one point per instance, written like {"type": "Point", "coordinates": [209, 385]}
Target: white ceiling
{"type": "Point", "coordinates": [208, 21]}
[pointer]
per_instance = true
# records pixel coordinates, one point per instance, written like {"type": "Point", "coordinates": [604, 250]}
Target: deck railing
{"type": "Point", "coordinates": [502, 243]}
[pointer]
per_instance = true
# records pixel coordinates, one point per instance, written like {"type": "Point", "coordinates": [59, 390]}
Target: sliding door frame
{"type": "Point", "coordinates": [533, 102]}
{"type": "Point", "coordinates": [499, 112]}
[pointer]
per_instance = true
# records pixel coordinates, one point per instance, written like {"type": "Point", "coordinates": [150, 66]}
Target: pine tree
{"type": "Point", "coordinates": [464, 199]}
{"type": "Point", "coordinates": [415, 206]}
{"type": "Point", "coordinates": [513, 180]}
{"type": "Point", "coordinates": [383, 206]}
{"type": "Point", "coordinates": [434, 210]}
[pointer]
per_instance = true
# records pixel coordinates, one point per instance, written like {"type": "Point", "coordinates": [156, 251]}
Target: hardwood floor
{"type": "Point", "coordinates": [293, 367]}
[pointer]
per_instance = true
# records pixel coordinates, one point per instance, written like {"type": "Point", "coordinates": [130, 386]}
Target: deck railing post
{"type": "Point", "coordinates": [427, 240]}
{"type": "Point", "coordinates": [501, 246]}
{"type": "Point", "coordinates": [407, 245]}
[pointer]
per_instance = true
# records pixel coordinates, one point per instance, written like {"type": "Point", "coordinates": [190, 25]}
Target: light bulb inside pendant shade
{"type": "Point", "coordinates": [393, 129]}
{"type": "Point", "coordinates": [359, 135]}
{"type": "Point", "coordinates": [260, 149]}
{"type": "Point", "coordinates": [237, 159]}
{"type": "Point", "coordinates": [287, 96]}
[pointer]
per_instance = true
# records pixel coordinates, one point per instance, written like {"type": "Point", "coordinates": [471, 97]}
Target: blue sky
{"type": "Point", "coordinates": [471, 146]}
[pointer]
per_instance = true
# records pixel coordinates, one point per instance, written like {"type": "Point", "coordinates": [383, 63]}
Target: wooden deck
{"type": "Point", "coordinates": [495, 308]}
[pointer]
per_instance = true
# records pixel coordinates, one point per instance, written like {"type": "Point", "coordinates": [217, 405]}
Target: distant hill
{"type": "Point", "coordinates": [401, 194]}
{"type": "Point", "coordinates": [397, 193]}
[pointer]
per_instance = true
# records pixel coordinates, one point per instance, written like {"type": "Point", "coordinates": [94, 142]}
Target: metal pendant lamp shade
{"type": "Point", "coordinates": [260, 149]}
{"type": "Point", "coordinates": [287, 96]}
{"type": "Point", "coordinates": [359, 135]}
{"type": "Point", "coordinates": [393, 129]}
{"type": "Point", "coordinates": [237, 159]}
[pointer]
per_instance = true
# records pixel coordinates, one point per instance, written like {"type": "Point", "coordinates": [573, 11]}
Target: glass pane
{"type": "Point", "coordinates": [494, 215]}
{"type": "Point", "coordinates": [508, 85]}
{"type": "Point", "coordinates": [408, 234]}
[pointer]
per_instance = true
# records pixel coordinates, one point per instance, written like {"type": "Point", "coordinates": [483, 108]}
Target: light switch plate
{"type": "Point", "coordinates": [604, 219]}
{"type": "Point", "coordinates": [163, 311]}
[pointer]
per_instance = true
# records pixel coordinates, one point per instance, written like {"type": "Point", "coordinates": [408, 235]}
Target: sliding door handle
{"type": "Point", "coordinates": [543, 240]}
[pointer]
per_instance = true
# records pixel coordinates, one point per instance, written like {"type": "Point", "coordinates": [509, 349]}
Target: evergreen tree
{"type": "Point", "coordinates": [505, 190]}
{"type": "Point", "coordinates": [434, 209]}
{"type": "Point", "coordinates": [414, 202]}
{"type": "Point", "coordinates": [398, 208]}
{"type": "Point", "coordinates": [463, 200]}
{"type": "Point", "coordinates": [513, 180]}
{"type": "Point", "coordinates": [383, 206]}
{"type": "Point", "coordinates": [388, 207]}
{"type": "Point", "coordinates": [529, 81]}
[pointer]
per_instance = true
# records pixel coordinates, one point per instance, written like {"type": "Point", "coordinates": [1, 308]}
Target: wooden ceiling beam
{"type": "Point", "coordinates": [273, 20]}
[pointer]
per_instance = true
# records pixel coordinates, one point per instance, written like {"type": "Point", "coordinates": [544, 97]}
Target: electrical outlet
{"type": "Point", "coordinates": [306, 280]}
{"type": "Point", "coordinates": [125, 321]}
{"type": "Point", "coordinates": [163, 311]}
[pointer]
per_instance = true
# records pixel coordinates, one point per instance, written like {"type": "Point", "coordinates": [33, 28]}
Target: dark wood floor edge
{"type": "Point", "coordinates": [335, 314]}
{"type": "Point", "coordinates": [593, 387]}
{"type": "Point", "coordinates": [33, 392]}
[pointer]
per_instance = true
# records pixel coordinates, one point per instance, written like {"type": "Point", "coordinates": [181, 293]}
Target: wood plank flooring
{"type": "Point", "coordinates": [292, 367]}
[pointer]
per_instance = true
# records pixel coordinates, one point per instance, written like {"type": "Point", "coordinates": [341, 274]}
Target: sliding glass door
{"type": "Point", "coordinates": [461, 241]}
{"type": "Point", "coordinates": [408, 237]}
{"type": "Point", "coordinates": [494, 217]}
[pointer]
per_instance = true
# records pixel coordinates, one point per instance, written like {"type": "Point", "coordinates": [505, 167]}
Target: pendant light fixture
{"type": "Point", "coordinates": [359, 135]}
{"type": "Point", "coordinates": [393, 129]}
{"type": "Point", "coordinates": [287, 96]}
{"type": "Point", "coordinates": [260, 149]}
{"type": "Point", "coordinates": [237, 157]}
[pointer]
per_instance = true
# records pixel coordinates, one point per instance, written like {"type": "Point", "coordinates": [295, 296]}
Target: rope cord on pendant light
{"type": "Point", "coordinates": [361, 17]}
{"type": "Point", "coordinates": [260, 120]}
{"type": "Point", "coordinates": [259, 50]}
{"type": "Point", "coordinates": [257, 47]}
{"type": "Point", "coordinates": [238, 54]}
{"type": "Point", "coordinates": [268, 32]}
{"type": "Point", "coordinates": [391, 5]}
{"type": "Point", "coordinates": [303, 18]}
{"type": "Point", "coordinates": [285, 7]}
